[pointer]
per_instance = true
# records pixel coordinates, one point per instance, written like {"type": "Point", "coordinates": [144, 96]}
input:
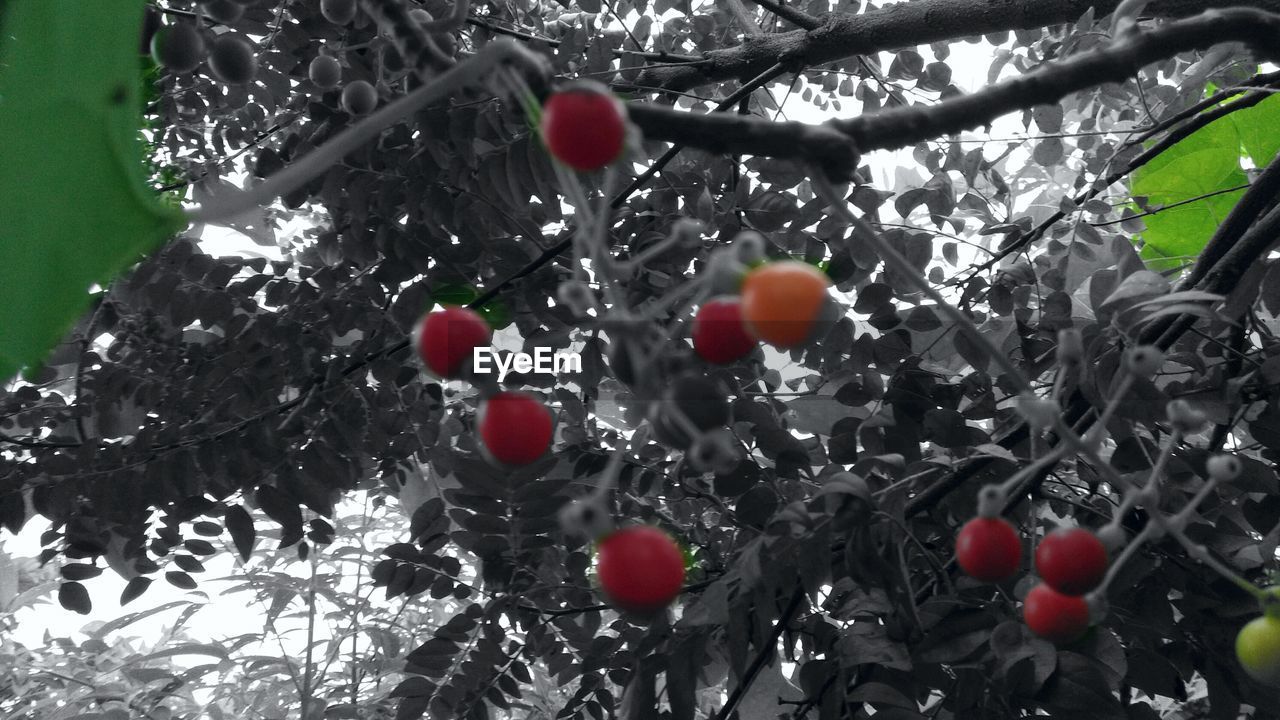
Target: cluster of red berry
{"type": "Point", "coordinates": [1070, 561]}
{"type": "Point", "coordinates": [640, 568]}
{"type": "Point", "coordinates": [515, 428]}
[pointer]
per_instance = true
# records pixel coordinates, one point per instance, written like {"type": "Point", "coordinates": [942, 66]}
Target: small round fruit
{"type": "Point", "coordinates": [359, 98]}
{"type": "Point", "coordinates": [988, 549]}
{"type": "Point", "coordinates": [179, 48]}
{"type": "Point", "coordinates": [641, 569]}
{"type": "Point", "coordinates": [515, 428]}
{"type": "Point", "coordinates": [224, 11]}
{"type": "Point", "coordinates": [1072, 561]}
{"type": "Point", "coordinates": [719, 336]}
{"type": "Point", "coordinates": [1144, 360]}
{"type": "Point", "coordinates": [782, 300]}
{"type": "Point", "coordinates": [584, 126]}
{"type": "Point", "coordinates": [1223, 468]}
{"type": "Point", "coordinates": [325, 71]}
{"type": "Point", "coordinates": [233, 60]}
{"type": "Point", "coordinates": [338, 12]}
{"type": "Point", "coordinates": [447, 338]}
{"type": "Point", "coordinates": [1258, 649]}
{"type": "Point", "coordinates": [1053, 616]}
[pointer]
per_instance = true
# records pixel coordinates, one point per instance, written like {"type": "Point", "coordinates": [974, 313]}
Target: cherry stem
{"type": "Point", "coordinates": [1201, 553]}
{"type": "Point", "coordinates": [232, 204]}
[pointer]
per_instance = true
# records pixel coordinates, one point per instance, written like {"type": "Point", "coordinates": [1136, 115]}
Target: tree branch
{"type": "Point", "coordinates": [792, 15]}
{"type": "Point", "coordinates": [742, 135]}
{"type": "Point", "coordinates": [1117, 62]}
{"type": "Point", "coordinates": [902, 25]}
{"type": "Point", "coordinates": [905, 126]}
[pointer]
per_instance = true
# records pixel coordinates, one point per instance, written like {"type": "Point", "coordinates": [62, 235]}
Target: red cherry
{"type": "Point", "coordinates": [1053, 616]}
{"type": "Point", "coordinates": [584, 126]}
{"type": "Point", "coordinates": [640, 568]}
{"type": "Point", "coordinates": [719, 335]}
{"type": "Point", "coordinates": [1072, 561]}
{"type": "Point", "coordinates": [515, 428]}
{"type": "Point", "coordinates": [446, 338]}
{"type": "Point", "coordinates": [988, 549]}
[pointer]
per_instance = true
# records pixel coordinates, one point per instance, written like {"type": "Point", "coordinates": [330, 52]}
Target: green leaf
{"type": "Point", "coordinates": [73, 193]}
{"type": "Point", "coordinates": [1257, 129]}
{"type": "Point", "coordinates": [1207, 161]}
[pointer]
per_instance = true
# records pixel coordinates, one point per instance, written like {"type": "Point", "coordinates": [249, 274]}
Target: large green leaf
{"type": "Point", "coordinates": [1257, 127]}
{"type": "Point", "coordinates": [75, 206]}
{"type": "Point", "coordinates": [1203, 165]}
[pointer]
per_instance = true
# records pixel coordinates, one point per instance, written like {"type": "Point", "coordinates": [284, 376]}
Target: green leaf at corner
{"type": "Point", "coordinates": [73, 191]}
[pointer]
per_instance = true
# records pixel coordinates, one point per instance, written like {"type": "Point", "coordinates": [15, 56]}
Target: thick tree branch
{"type": "Point", "coordinates": [906, 126]}
{"type": "Point", "coordinates": [742, 135]}
{"type": "Point", "coordinates": [899, 26]}
{"type": "Point", "coordinates": [1117, 62]}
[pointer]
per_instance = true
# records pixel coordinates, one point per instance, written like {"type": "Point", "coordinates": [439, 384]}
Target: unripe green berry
{"type": "Point", "coordinates": [1223, 468]}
